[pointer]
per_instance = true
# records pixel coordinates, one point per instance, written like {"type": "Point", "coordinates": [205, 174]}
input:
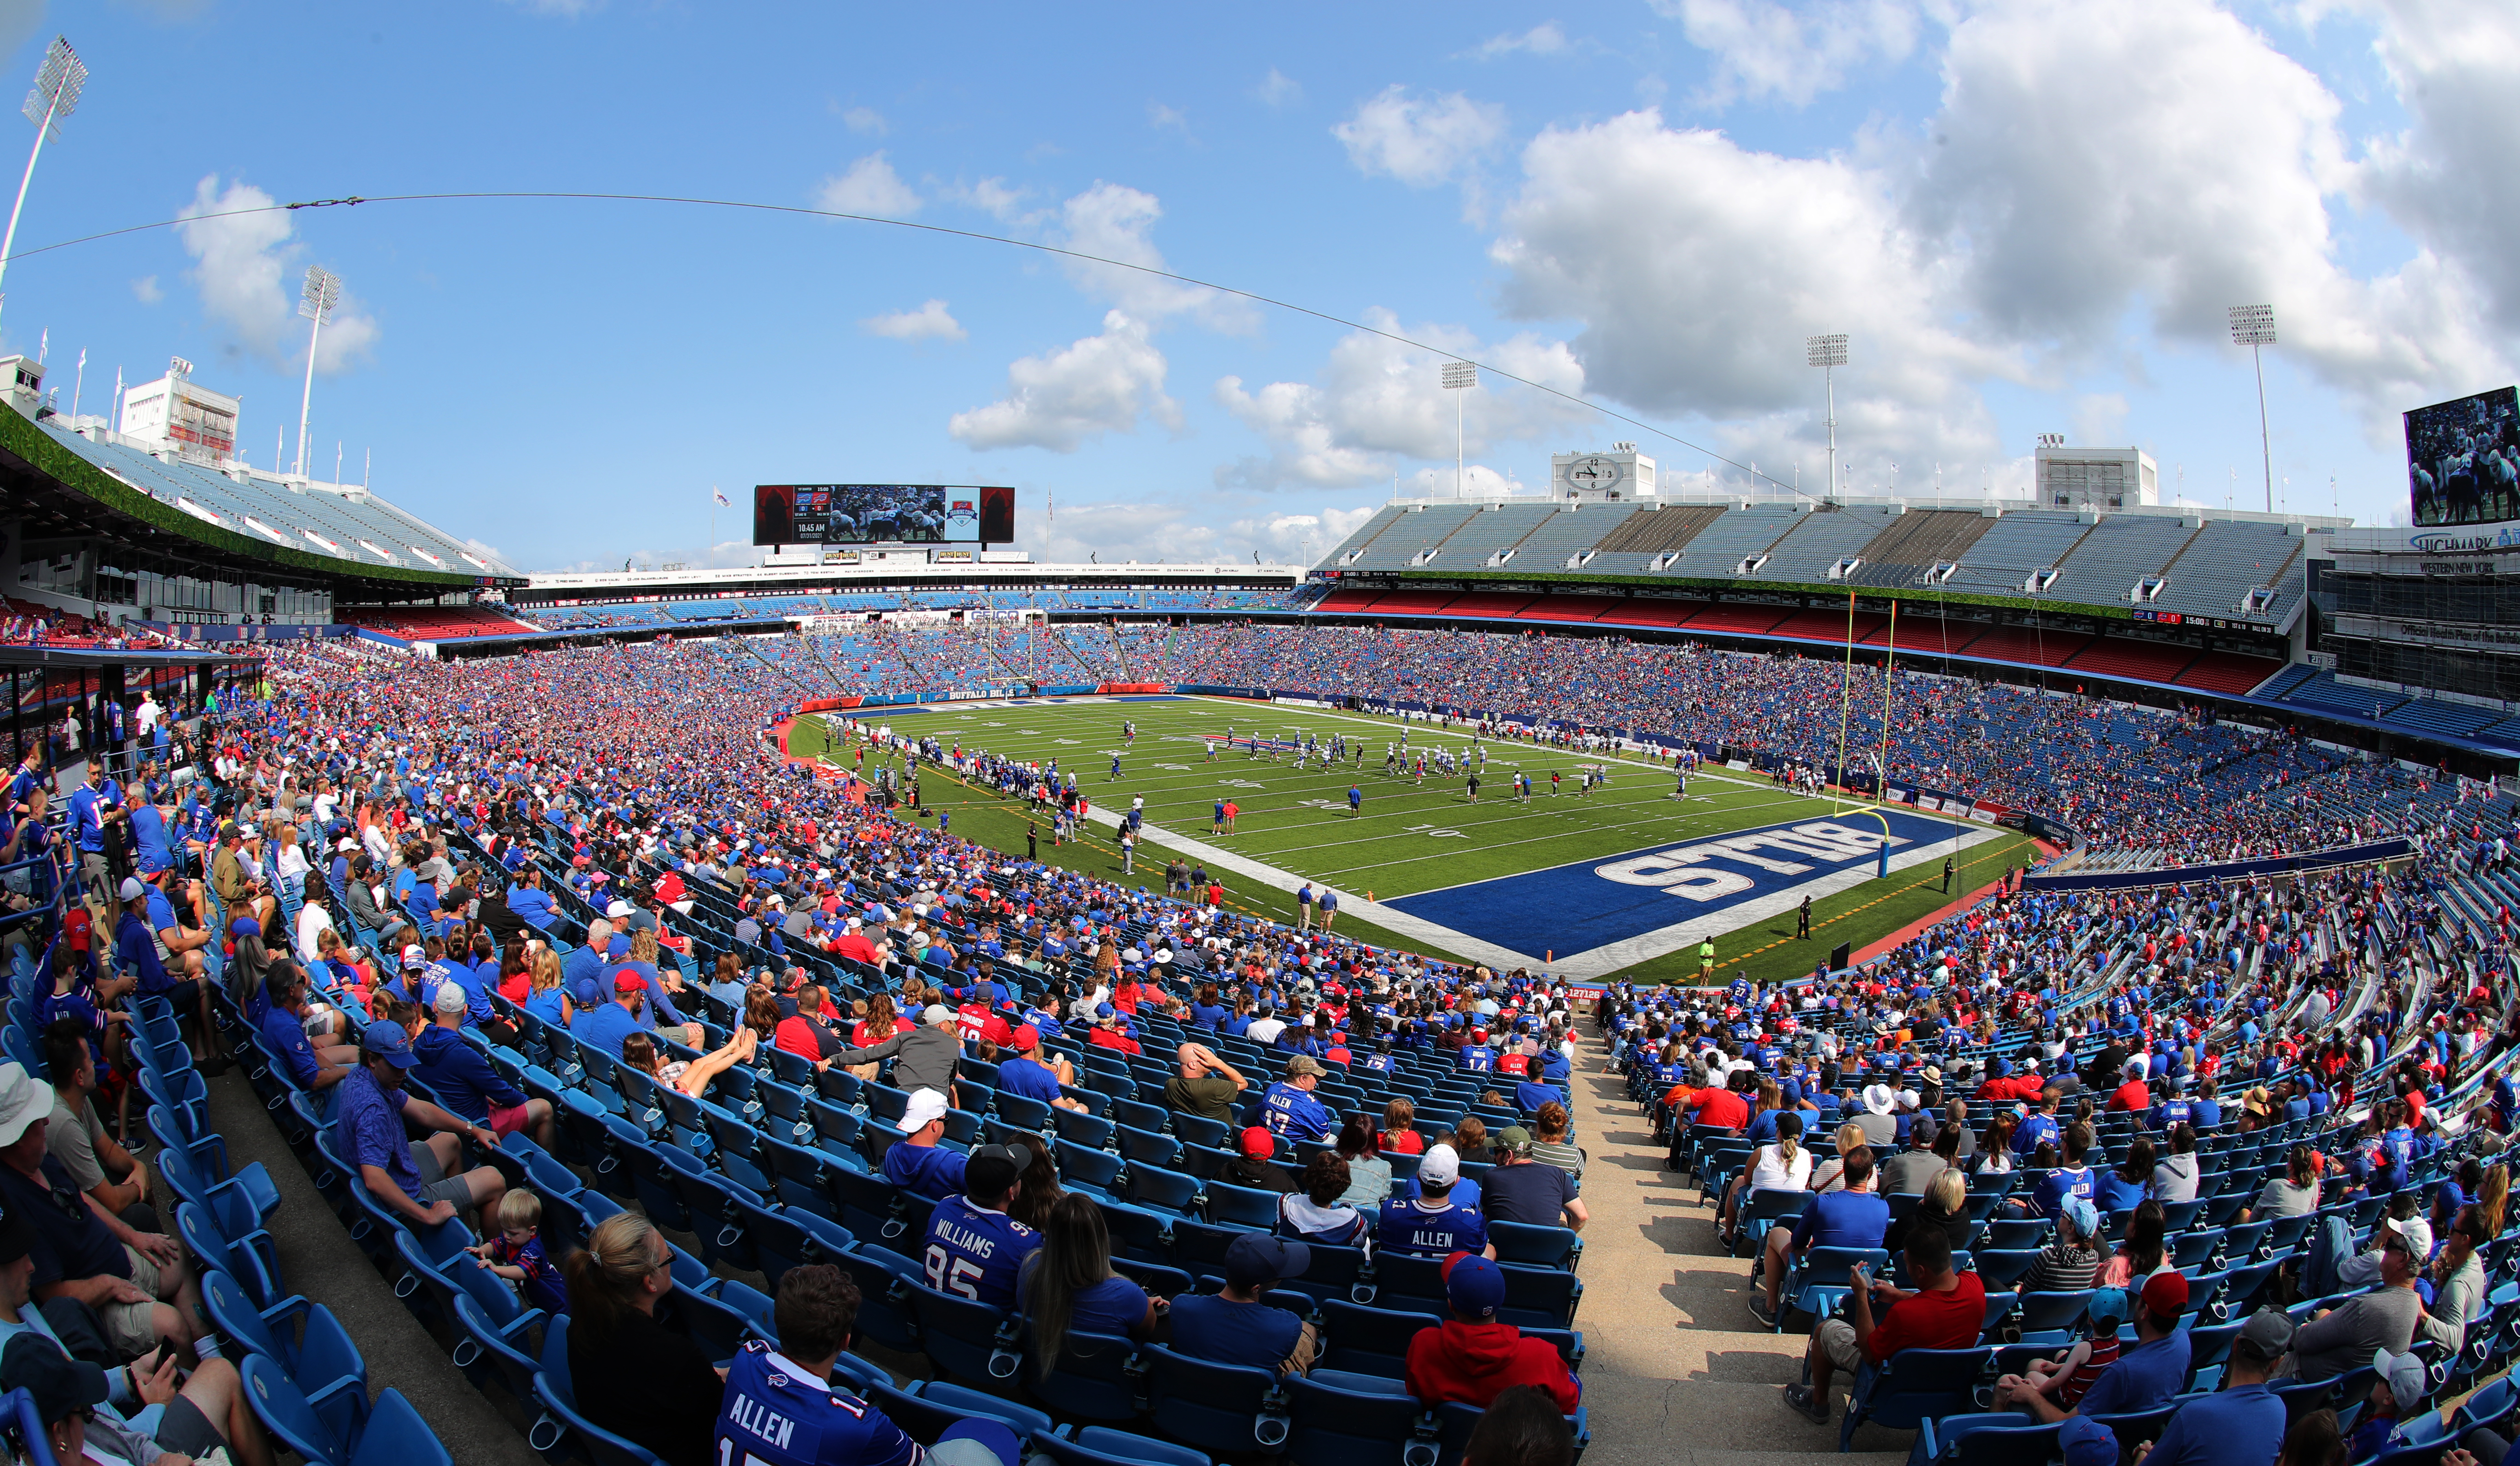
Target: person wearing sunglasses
{"type": "Point", "coordinates": [2345, 1337]}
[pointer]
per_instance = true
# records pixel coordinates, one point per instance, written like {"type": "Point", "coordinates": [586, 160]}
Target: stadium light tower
{"type": "Point", "coordinates": [323, 292]}
{"type": "Point", "coordinates": [1829, 353]}
{"type": "Point", "coordinates": [1461, 377]}
{"type": "Point", "coordinates": [58, 83]}
{"type": "Point", "coordinates": [2254, 327]}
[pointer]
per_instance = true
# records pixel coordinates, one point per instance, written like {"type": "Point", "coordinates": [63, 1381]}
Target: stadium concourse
{"type": "Point", "coordinates": [2290, 1092]}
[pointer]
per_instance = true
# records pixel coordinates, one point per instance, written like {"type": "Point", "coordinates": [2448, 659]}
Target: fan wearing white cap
{"type": "Point", "coordinates": [916, 1162]}
{"type": "Point", "coordinates": [1434, 1223]}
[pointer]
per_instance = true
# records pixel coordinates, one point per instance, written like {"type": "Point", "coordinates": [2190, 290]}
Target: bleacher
{"type": "Point", "coordinates": [1811, 553]}
{"type": "Point", "coordinates": [435, 623]}
{"type": "Point", "coordinates": [2120, 553]}
{"type": "Point", "coordinates": [284, 512]}
{"type": "Point", "coordinates": [2016, 547]}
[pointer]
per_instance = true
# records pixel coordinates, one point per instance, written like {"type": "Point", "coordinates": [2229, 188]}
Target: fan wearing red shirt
{"type": "Point", "coordinates": [1472, 1357]}
{"type": "Point", "coordinates": [1721, 1106]}
{"type": "Point", "coordinates": [1947, 1311]}
{"type": "Point", "coordinates": [2133, 1096]}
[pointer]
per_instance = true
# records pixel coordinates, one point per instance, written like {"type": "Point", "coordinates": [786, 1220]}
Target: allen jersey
{"type": "Point", "coordinates": [776, 1415]}
{"type": "Point", "coordinates": [1407, 1226]}
{"type": "Point", "coordinates": [975, 1253]}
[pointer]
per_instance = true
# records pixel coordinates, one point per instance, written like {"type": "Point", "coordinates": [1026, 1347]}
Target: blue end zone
{"type": "Point", "coordinates": [1575, 908]}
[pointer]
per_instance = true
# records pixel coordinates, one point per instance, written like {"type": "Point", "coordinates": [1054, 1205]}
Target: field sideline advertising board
{"type": "Point", "coordinates": [2464, 460]}
{"type": "Point", "coordinates": [882, 513]}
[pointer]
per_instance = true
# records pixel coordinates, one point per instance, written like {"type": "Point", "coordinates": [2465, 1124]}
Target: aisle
{"type": "Point", "coordinates": [1677, 1373]}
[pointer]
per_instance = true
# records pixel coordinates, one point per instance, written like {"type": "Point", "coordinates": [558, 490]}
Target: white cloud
{"type": "Point", "coordinates": [1113, 222]}
{"type": "Point", "coordinates": [1277, 89]}
{"type": "Point", "coordinates": [246, 268]}
{"type": "Point", "coordinates": [1543, 39]}
{"type": "Point", "coordinates": [1100, 385]}
{"type": "Point", "coordinates": [931, 322]}
{"type": "Point", "coordinates": [1167, 533]}
{"type": "Point", "coordinates": [147, 290]}
{"type": "Point", "coordinates": [869, 187]}
{"type": "Point", "coordinates": [1763, 48]}
{"type": "Point", "coordinates": [994, 197]}
{"type": "Point", "coordinates": [1376, 400]}
{"type": "Point", "coordinates": [2447, 178]}
{"type": "Point", "coordinates": [1169, 118]}
{"type": "Point", "coordinates": [866, 121]}
{"type": "Point", "coordinates": [1419, 141]}
{"type": "Point", "coordinates": [2099, 418]}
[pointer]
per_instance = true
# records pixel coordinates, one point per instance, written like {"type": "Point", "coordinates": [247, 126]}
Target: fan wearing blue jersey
{"type": "Point", "coordinates": [1289, 1109]}
{"type": "Point", "coordinates": [1431, 1224]}
{"type": "Point", "coordinates": [916, 1163]}
{"type": "Point", "coordinates": [782, 1408]}
{"type": "Point", "coordinates": [975, 1249]}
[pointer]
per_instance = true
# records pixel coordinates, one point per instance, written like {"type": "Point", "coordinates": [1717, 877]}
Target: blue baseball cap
{"type": "Point", "coordinates": [2086, 1441]}
{"type": "Point", "coordinates": [1474, 1285]}
{"type": "Point", "coordinates": [386, 1041]}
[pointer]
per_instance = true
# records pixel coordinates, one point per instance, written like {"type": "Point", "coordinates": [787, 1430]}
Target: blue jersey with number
{"type": "Point", "coordinates": [1406, 1226]}
{"type": "Point", "coordinates": [776, 1415]}
{"type": "Point", "coordinates": [975, 1253]}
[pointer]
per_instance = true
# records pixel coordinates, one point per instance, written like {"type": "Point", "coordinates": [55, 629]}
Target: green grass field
{"type": "Point", "coordinates": [1409, 839]}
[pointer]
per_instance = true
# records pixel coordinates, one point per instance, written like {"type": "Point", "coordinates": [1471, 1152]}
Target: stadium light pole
{"type": "Point", "coordinates": [1461, 377]}
{"type": "Point", "coordinates": [1829, 353]}
{"type": "Point", "coordinates": [58, 83]}
{"type": "Point", "coordinates": [323, 292]}
{"type": "Point", "coordinates": [2254, 327]}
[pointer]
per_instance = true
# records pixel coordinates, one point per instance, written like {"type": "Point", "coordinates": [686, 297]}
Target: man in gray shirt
{"type": "Point", "coordinates": [2458, 1290]}
{"type": "Point", "coordinates": [926, 1058]}
{"type": "Point", "coordinates": [1912, 1171]}
{"type": "Point", "coordinates": [2344, 1337]}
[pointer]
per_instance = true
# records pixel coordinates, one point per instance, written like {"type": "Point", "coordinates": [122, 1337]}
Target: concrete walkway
{"type": "Point", "coordinates": [1677, 1372]}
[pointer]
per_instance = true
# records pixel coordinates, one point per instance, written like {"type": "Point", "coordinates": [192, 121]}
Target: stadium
{"type": "Point", "coordinates": [1647, 969]}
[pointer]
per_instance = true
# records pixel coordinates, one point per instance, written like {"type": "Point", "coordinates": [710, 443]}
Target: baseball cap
{"type": "Point", "coordinates": [244, 926]}
{"type": "Point", "coordinates": [1515, 1139]}
{"type": "Point", "coordinates": [1255, 1258]}
{"type": "Point", "coordinates": [1256, 1141]}
{"type": "Point", "coordinates": [451, 999]}
{"type": "Point", "coordinates": [1304, 1063]}
{"type": "Point", "coordinates": [60, 1384]}
{"type": "Point", "coordinates": [2406, 1376]}
{"type": "Point", "coordinates": [926, 1108]}
{"type": "Point", "coordinates": [2086, 1217]}
{"type": "Point", "coordinates": [132, 888]}
{"type": "Point", "coordinates": [629, 981]}
{"type": "Point", "coordinates": [2086, 1441]}
{"type": "Point", "coordinates": [1474, 1285]}
{"type": "Point", "coordinates": [22, 1102]}
{"type": "Point", "coordinates": [992, 1169]}
{"type": "Point", "coordinates": [2267, 1335]}
{"type": "Point", "coordinates": [386, 1041]}
{"type": "Point", "coordinates": [936, 1014]}
{"type": "Point", "coordinates": [978, 1441]}
{"type": "Point", "coordinates": [2165, 1293]}
{"type": "Point", "coordinates": [2107, 1306]}
{"type": "Point", "coordinates": [414, 957]}
{"type": "Point", "coordinates": [1440, 1166]}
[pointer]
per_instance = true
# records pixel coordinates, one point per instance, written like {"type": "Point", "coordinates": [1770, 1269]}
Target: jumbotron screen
{"type": "Point", "coordinates": [881, 514]}
{"type": "Point", "coordinates": [2464, 460]}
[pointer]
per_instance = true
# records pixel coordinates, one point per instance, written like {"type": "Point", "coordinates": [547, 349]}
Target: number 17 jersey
{"type": "Point", "coordinates": [776, 1415]}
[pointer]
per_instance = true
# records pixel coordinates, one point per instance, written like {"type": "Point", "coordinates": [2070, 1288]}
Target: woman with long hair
{"type": "Point", "coordinates": [2143, 1253]}
{"type": "Point", "coordinates": [1831, 1175]}
{"type": "Point", "coordinates": [1785, 1165]}
{"type": "Point", "coordinates": [1040, 1191]}
{"type": "Point", "coordinates": [690, 1076]}
{"type": "Point", "coordinates": [1400, 1129]}
{"type": "Point", "coordinates": [761, 1013]}
{"type": "Point", "coordinates": [1315, 1210]}
{"type": "Point", "coordinates": [1944, 1205]}
{"type": "Point", "coordinates": [635, 1377]}
{"type": "Point", "coordinates": [1368, 1174]}
{"type": "Point", "coordinates": [2494, 1197]}
{"type": "Point", "coordinates": [1993, 1155]}
{"type": "Point", "coordinates": [2131, 1183]}
{"type": "Point", "coordinates": [882, 1021]}
{"type": "Point", "coordinates": [1550, 1126]}
{"type": "Point", "coordinates": [548, 998]}
{"type": "Point", "coordinates": [1067, 1286]}
{"type": "Point", "coordinates": [1470, 1139]}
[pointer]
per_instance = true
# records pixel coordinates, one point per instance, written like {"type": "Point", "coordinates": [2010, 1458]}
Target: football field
{"type": "Point", "coordinates": [1623, 881]}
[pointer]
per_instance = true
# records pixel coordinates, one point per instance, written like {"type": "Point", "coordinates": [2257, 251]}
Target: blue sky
{"type": "Point", "coordinates": [2029, 216]}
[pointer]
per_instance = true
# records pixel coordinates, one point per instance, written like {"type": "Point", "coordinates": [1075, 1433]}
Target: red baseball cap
{"type": "Point", "coordinates": [2165, 1293]}
{"type": "Point", "coordinates": [629, 981]}
{"type": "Point", "coordinates": [1259, 1142]}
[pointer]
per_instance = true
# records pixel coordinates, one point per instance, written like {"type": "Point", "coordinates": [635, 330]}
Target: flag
{"type": "Point", "coordinates": [722, 501]}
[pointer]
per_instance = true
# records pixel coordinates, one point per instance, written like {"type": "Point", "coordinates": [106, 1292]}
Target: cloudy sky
{"type": "Point", "coordinates": [2030, 218]}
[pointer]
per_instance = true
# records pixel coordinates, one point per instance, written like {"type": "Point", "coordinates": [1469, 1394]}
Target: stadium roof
{"type": "Point", "coordinates": [184, 518]}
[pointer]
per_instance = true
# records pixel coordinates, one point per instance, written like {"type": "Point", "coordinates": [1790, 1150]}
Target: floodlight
{"type": "Point", "coordinates": [2254, 327]}
{"type": "Point", "coordinates": [322, 292]}
{"type": "Point", "coordinates": [1461, 374]}
{"type": "Point", "coordinates": [58, 83]}
{"type": "Point", "coordinates": [1826, 351]}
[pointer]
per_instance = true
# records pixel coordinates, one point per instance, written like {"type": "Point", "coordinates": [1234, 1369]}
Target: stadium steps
{"type": "Point", "coordinates": [1676, 1372]}
{"type": "Point", "coordinates": [2016, 545]}
{"type": "Point", "coordinates": [320, 1260]}
{"type": "Point", "coordinates": [2118, 553]}
{"type": "Point", "coordinates": [1716, 552]}
{"type": "Point", "coordinates": [1917, 541]}
{"type": "Point", "coordinates": [1812, 549]}
{"type": "Point", "coordinates": [1663, 531]}
{"type": "Point", "coordinates": [1568, 532]}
